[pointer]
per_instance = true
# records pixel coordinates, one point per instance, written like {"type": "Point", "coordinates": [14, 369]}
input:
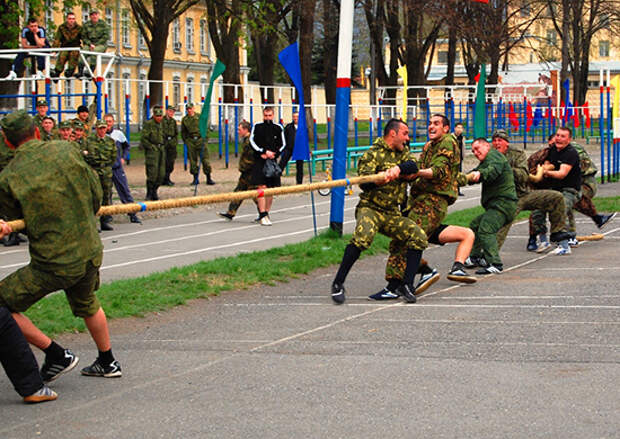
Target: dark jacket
{"type": "Point", "coordinates": [267, 136]}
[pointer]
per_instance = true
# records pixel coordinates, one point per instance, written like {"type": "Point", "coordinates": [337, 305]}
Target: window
{"type": "Point", "coordinates": [526, 9]}
{"type": "Point", "coordinates": [141, 97]}
{"type": "Point", "coordinates": [189, 34]}
{"type": "Point", "coordinates": [552, 37]}
{"type": "Point", "coordinates": [176, 36]}
{"type": "Point", "coordinates": [125, 28]}
{"type": "Point", "coordinates": [141, 40]}
{"type": "Point", "coordinates": [603, 48]}
{"type": "Point", "coordinates": [109, 18]}
{"type": "Point", "coordinates": [176, 91]}
{"type": "Point", "coordinates": [85, 12]}
{"type": "Point", "coordinates": [204, 38]}
{"type": "Point", "coordinates": [49, 17]}
{"type": "Point", "coordinates": [190, 89]}
{"type": "Point", "coordinates": [442, 57]}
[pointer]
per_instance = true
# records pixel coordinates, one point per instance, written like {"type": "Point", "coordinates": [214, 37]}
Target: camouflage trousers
{"type": "Point", "coordinates": [64, 57]}
{"type": "Point", "coordinates": [369, 222]}
{"type": "Point", "coordinates": [538, 217]}
{"type": "Point", "coordinates": [486, 226]}
{"type": "Point", "coordinates": [427, 211]}
{"type": "Point", "coordinates": [242, 185]}
{"type": "Point", "coordinates": [588, 191]}
{"type": "Point", "coordinates": [193, 150]}
{"type": "Point", "coordinates": [92, 59]}
{"type": "Point", "coordinates": [171, 155]}
{"type": "Point", "coordinates": [106, 184]}
{"type": "Point", "coordinates": [154, 162]}
{"type": "Point", "coordinates": [549, 201]}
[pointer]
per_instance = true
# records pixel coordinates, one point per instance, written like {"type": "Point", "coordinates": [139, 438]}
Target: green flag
{"type": "Point", "coordinates": [204, 114]}
{"type": "Point", "coordinates": [480, 110]}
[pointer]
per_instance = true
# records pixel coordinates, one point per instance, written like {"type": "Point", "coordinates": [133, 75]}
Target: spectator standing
{"type": "Point", "coordinates": [290, 131]}
{"type": "Point", "coordinates": [267, 140]}
{"type": "Point", "coordinates": [152, 142]}
{"type": "Point", "coordinates": [69, 34]}
{"type": "Point", "coordinates": [86, 115]}
{"type": "Point", "coordinates": [95, 37]}
{"type": "Point", "coordinates": [64, 130]}
{"type": "Point", "coordinates": [196, 145]}
{"type": "Point", "coordinates": [460, 143]}
{"type": "Point", "coordinates": [48, 133]}
{"type": "Point", "coordinates": [42, 108]}
{"type": "Point", "coordinates": [32, 37]}
{"type": "Point", "coordinates": [171, 140]}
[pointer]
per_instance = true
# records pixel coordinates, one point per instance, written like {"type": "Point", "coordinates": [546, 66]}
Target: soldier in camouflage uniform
{"type": "Point", "coordinates": [6, 155]}
{"type": "Point", "coordinates": [48, 132]}
{"type": "Point", "coordinates": [499, 199]}
{"type": "Point", "coordinates": [378, 210]}
{"type": "Point", "coordinates": [95, 36]}
{"type": "Point", "coordinates": [432, 191]}
{"type": "Point", "coordinates": [100, 154]}
{"type": "Point", "coordinates": [68, 34]}
{"type": "Point", "coordinates": [196, 146]}
{"type": "Point", "coordinates": [152, 142]}
{"type": "Point", "coordinates": [42, 108]}
{"type": "Point", "coordinates": [549, 201]}
{"type": "Point", "coordinates": [87, 116]}
{"type": "Point", "coordinates": [171, 140]}
{"type": "Point", "coordinates": [246, 162]}
{"type": "Point", "coordinates": [78, 135]}
{"type": "Point", "coordinates": [57, 194]}
{"type": "Point", "coordinates": [64, 130]}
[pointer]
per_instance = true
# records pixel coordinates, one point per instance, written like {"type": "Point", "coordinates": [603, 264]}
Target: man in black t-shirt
{"type": "Point", "coordinates": [562, 173]}
{"type": "Point", "coordinates": [32, 37]}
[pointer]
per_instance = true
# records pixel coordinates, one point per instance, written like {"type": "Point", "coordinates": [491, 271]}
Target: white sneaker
{"type": "Point", "coordinates": [39, 75]}
{"type": "Point", "coordinates": [11, 75]}
{"type": "Point", "coordinates": [561, 251]}
{"type": "Point", "coordinates": [265, 221]}
{"type": "Point", "coordinates": [543, 247]}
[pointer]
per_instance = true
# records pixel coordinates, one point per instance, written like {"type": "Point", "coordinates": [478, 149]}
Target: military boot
{"type": "Point", "coordinates": [11, 240]}
{"type": "Point", "coordinates": [195, 182]}
{"type": "Point", "coordinates": [210, 182]}
{"type": "Point", "coordinates": [105, 223]}
{"type": "Point", "coordinates": [154, 194]}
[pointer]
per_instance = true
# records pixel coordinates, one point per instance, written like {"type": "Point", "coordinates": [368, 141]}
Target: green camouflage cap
{"type": "Point", "coordinates": [64, 124]}
{"type": "Point", "coordinates": [78, 124]}
{"type": "Point", "coordinates": [502, 134]}
{"type": "Point", "coordinates": [16, 121]}
{"type": "Point", "coordinates": [158, 110]}
{"type": "Point", "coordinates": [171, 107]}
{"type": "Point", "coordinates": [189, 105]}
{"type": "Point", "coordinates": [101, 123]}
{"type": "Point", "coordinates": [93, 11]}
{"type": "Point", "coordinates": [42, 103]}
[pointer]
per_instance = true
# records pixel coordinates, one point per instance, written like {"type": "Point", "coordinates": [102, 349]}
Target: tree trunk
{"type": "Point", "coordinates": [331, 16]}
{"type": "Point", "coordinates": [306, 41]}
{"type": "Point", "coordinates": [451, 55]}
{"type": "Point", "coordinates": [155, 75]}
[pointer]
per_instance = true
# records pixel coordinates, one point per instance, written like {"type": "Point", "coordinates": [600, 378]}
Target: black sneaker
{"type": "Point", "coordinates": [338, 293]}
{"type": "Point", "coordinates": [384, 294]}
{"type": "Point", "coordinates": [134, 218]}
{"type": "Point", "coordinates": [491, 269]}
{"type": "Point", "coordinates": [606, 219]}
{"type": "Point", "coordinates": [408, 293]}
{"type": "Point", "coordinates": [112, 370]}
{"type": "Point", "coordinates": [458, 274]}
{"type": "Point", "coordinates": [53, 369]}
{"type": "Point", "coordinates": [532, 245]}
{"type": "Point", "coordinates": [475, 261]}
{"type": "Point", "coordinates": [426, 280]}
{"type": "Point", "coordinates": [228, 216]}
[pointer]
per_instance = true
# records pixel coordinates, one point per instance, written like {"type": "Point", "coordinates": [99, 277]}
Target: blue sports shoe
{"type": "Point", "coordinates": [384, 294]}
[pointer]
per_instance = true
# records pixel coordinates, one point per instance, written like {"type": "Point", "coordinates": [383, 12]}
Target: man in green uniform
{"type": "Point", "coordinates": [100, 154]}
{"type": "Point", "coordinates": [190, 133]}
{"type": "Point", "coordinates": [379, 208]}
{"type": "Point", "coordinates": [433, 189]}
{"type": "Point", "coordinates": [86, 115]}
{"type": "Point", "coordinates": [171, 140]}
{"type": "Point", "coordinates": [57, 194]}
{"type": "Point", "coordinates": [152, 142]}
{"type": "Point", "coordinates": [42, 108]}
{"type": "Point", "coordinates": [246, 162]}
{"type": "Point", "coordinates": [78, 135]}
{"type": "Point", "coordinates": [64, 130]}
{"type": "Point", "coordinates": [48, 132]}
{"type": "Point", "coordinates": [68, 34]}
{"type": "Point", "coordinates": [95, 36]}
{"type": "Point", "coordinates": [6, 155]}
{"type": "Point", "coordinates": [499, 199]}
{"type": "Point", "coordinates": [549, 201]}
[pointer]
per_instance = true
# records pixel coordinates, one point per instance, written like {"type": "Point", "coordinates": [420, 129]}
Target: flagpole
{"type": "Point", "coordinates": [343, 97]}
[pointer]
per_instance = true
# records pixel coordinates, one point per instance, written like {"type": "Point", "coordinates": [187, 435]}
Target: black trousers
{"type": "Point", "coordinates": [16, 356]}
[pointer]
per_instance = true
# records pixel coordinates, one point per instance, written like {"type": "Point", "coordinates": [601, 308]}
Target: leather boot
{"type": "Point", "coordinates": [149, 192]}
{"type": "Point", "coordinates": [134, 218]}
{"type": "Point", "coordinates": [105, 223]}
{"type": "Point", "coordinates": [195, 182]}
{"type": "Point", "coordinates": [209, 181]}
{"type": "Point", "coordinates": [154, 195]}
{"type": "Point", "coordinates": [11, 240]}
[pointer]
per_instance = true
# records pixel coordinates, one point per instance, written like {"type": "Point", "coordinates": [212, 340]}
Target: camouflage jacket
{"type": "Point", "coordinates": [588, 168]}
{"type": "Point", "coordinates": [443, 157]}
{"type": "Point", "coordinates": [38, 119]}
{"type": "Point", "coordinates": [380, 157]}
{"type": "Point", "coordinates": [170, 129]}
{"type": "Point", "coordinates": [518, 162]}
{"type": "Point", "coordinates": [95, 34]}
{"type": "Point", "coordinates": [497, 180]}
{"type": "Point", "coordinates": [6, 153]}
{"type": "Point", "coordinates": [190, 128]}
{"type": "Point", "coordinates": [57, 194]}
{"type": "Point", "coordinates": [101, 154]}
{"type": "Point", "coordinates": [46, 137]}
{"type": "Point", "coordinates": [66, 37]}
{"type": "Point", "coordinates": [152, 136]}
{"type": "Point", "coordinates": [246, 160]}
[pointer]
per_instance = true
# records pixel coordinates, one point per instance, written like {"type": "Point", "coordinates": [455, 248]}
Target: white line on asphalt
{"type": "Point", "coordinates": [570, 268]}
{"type": "Point", "coordinates": [501, 322]}
{"type": "Point", "coordinates": [428, 305]}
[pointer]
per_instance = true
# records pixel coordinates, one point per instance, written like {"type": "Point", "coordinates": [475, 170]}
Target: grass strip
{"type": "Point", "coordinates": [161, 291]}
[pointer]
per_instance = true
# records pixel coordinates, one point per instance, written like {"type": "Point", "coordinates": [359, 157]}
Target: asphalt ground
{"type": "Point", "coordinates": [532, 352]}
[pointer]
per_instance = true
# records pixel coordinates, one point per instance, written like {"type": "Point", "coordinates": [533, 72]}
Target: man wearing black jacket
{"type": "Point", "coordinates": [267, 141]}
{"type": "Point", "coordinates": [290, 131]}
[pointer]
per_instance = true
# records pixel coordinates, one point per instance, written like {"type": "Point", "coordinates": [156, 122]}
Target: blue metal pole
{"type": "Point", "coordinates": [127, 113]}
{"type": "Point", "coordinates": [355, 126]}
{"type": "Point", "coordinates": [609, 129]}
{"type": "Point", "coordinates": [226, 142]}
{"type": "Point", "coordinates": [236, 125]}
{"type": "Point", "coordinates": [601, 128]}
{"type": "Point", "coordinates": [370, 130]}
{"type": "Point", "coordinates": [219, 126]}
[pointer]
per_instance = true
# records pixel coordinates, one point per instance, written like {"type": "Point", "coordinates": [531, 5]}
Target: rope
{"type": "Point", "coordinates": [119, 209]}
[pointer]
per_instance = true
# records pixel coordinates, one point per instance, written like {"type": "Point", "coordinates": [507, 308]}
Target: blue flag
{"type": "Point", "coordinates": [538, 115]}
{"type": "Point", "coordinates": [289, 58]}
{"type": "Point", "coordinates": [568, 110]}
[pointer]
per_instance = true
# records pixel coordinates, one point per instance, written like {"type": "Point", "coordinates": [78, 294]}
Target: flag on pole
{"type": "Point", "coordinates": [218, 69]}
{"type": "Point", "coordinates": [586, 114]}
{"type": "Point", "coordinates": [538, 115]}
{"type": "Point", "coordinates": [616, 108]}
{"type": "Point", "coordinates": [402, 71]}
{"type": "Point", "coordinates": [480, 109]}
{"type": "Point", "coordinates": [529, 117]}
{"type": "Point", "coordinates": [512, 117]}
{"type": "Point", "coordinates": [576, 119]}
{"type": "Point", "coordinates": [568, 109]}
{"type": "Point", "coordinates": [289, 58]}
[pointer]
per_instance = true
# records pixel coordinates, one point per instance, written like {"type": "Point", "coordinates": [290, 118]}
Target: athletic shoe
{"type": "Point", "coordinates": [11, 75]}
{"type": "Point", "coordinates": [97, 369]}
{"type": "Point", "coordinates": [39, 75]}
{"type": "Point", "coordinates": [265, 221]}
{"type": "Point", "coordinates": [491, 269]}
{"type": "Point", "coordinates": [408, 293]}
{"type": "Point", "coordinates": [543, 247]}
{"type": "Point", "coordinates": [257, 219]}
{"type": "Point", "coordinates": [458, 274]}
{"type": "Point", "coordinates": [52, 370]}
{"type": "Point", "coordinates": [338, 293]}
{"type": "Point", "coordinates": [426, 280]}
{"type": "Point", "coordinates": [561, 251]}
{"type": "Point", "coordinates": [532, 245]}
{"type": "Point", "coordinates": [474, 261]}
{"type": "Point", "coordinates": [384, 294]}
{"type": "Point", "coordinates": [228, 216]}
{"type": "Point", "coordinates": [606, 219]}
{"type": "Point", "coordinates": [573, 242]}
{"type": "Point", "coordinates": [41, 395]}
